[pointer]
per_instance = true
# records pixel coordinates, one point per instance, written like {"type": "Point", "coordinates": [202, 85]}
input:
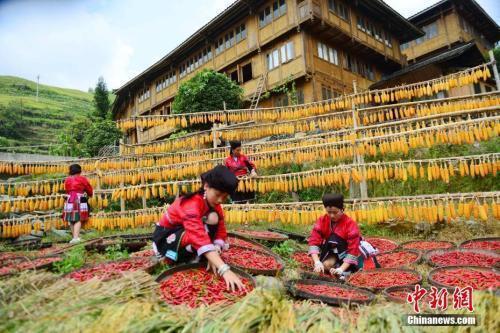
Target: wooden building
{"type": "Point", "coordinates": [458, 35]}
{"type": "Point", "coordinates": [322, 45]}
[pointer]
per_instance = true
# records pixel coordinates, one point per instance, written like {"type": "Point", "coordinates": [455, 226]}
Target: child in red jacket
{"type": "Point", "coordinates": [334, 244]}
{"type": "Point", "coordinates": [193, 226]}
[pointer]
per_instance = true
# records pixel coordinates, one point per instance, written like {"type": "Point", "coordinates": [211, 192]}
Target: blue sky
{"type": "Point", "coordinates": [70, 43]}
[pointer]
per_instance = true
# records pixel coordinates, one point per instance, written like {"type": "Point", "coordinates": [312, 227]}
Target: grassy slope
{"type": "Point", "coordinates": [55, 108]}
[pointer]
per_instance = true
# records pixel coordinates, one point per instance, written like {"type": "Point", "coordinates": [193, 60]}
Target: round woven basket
{"type": "Point", "coordinates": [293, 290]}
{"type": "Point", "coordinates": [429, 255]}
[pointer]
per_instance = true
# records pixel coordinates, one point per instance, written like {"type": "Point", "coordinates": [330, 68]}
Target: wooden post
{"type": "Point", "coordinates": [495, 70]}
{"type": "Point", "coordinates": [214, 135]}
{"type": "Point", "coordinates": [122, 201]}
{"type": "Point", "coordinates": [144, 203]}
{"type": "Point", "coordinates": [356, 190]}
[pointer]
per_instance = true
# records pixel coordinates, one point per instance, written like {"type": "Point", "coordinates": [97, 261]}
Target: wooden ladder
{"type": "Point", "coordinates": [254, 101]}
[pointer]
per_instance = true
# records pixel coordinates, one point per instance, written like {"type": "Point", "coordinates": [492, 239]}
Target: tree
{"type": "Point", "coordinates": [100, 134]}
{"type": "Point", "coordinates": [207, 91]}
{"type": "Point", "coordinates": [70, 141]}
{"type": "Point", "coordinates": [101, 99]}
{"type": "Point", "coordinates": [84, 138]}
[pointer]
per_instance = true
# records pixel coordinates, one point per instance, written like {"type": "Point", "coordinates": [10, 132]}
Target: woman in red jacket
{"type": "Point", "coordinates": [335, 240]}
{"type": "Point", "coordinates": [193, 226]}
{"type": "Point", "coordinates": [241, 166]}
{"type": "Point", "coordinates": [76, 209]}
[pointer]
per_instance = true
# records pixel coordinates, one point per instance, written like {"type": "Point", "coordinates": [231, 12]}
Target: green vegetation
{"type": "Point", "coordinates": [84, 138]}
{"type": "Point", "coordinates": [41, 120]}
{"type": "Point", "coordinates": [207, 91]}
{"type": "Point", "coordinates": [73, 259]}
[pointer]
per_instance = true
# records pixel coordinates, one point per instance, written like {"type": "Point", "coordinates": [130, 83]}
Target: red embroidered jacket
{"type": "Point", "coordinates": [346, 228]}
{"type": "Point", "coordinates": [78, 184]}
{"type": "Point", "coordinates": [241, 166]}
{"type": "Point", "coordinates": [188, 213]}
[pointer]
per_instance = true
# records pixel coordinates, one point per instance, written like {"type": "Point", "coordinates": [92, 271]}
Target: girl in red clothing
{"type": "Point", "coordinates": [335, 241]}
{"type": "Point", "coordinates": [241, 166]}
{"type": "Point", "coordinates": [76, 209]}
{"type": "Point", "coordinates": [193, 226]}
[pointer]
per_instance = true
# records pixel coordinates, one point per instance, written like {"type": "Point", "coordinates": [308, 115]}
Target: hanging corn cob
{"type": "Point", "coordinates": [368, 116]}
{"type": "Point", "coordinates": [429, 208]}
{"type": "Point", "coordinates": [390, 95]}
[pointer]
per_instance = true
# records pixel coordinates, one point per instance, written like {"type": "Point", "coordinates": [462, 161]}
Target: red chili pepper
{"type": "Point", "coordinates": [263, 234]}
{"type": "Point", "coordinates": [396, 259]}
{"type": "Point", "coordinates": [110, 270]}
{"type": "Point", "coordinates": [144, 253]}
{"type": "Point", "coordinates": [332, 291]}
{"type": "Point", "coordinates": [427, 245]}
{"type": "Point", "coordinates": [196, 287]}
{"type": "Point", "coordinates": [382, 244]}
{"type": "Point", "coordinates": [467, 276]}
{"type": "Point", "coordinates": [304, 259]}
{"type": "Point", "coordinates": [249, 258]}
{"type": "Point", "coordinates": [383, 279]}
{"type": "Point", "coordinates": [233, 241]}
{"type": "Point", "coordinates": [464, 258]}
{"type": "Point", "coordinates": [493, 245]}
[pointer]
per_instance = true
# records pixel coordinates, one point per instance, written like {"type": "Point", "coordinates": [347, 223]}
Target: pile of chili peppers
{"type": "Point", "coordinates": [110, 270]}
{"type": "Point", "coordinates": [9, 255]}
{"type": "Point", "coordinates": [304, 260]}
{"type": "Point", "coordinates": [265, 235]}
{"type": "Point", "coordinates": [143, 253]}
{"type": "Point", "coordinates": [250, 259]}
{"type": "Point", "coordinates": [196, 287]}
{"type": "Point", "coordinates": [400, 294]}
{"type": "Point", "coordinates": [233, 241]}
{"type": "Point", "coordinates": [492, 245]}
{"type": "Point", "coordinates": [397, 259]}
{"type": "Point", "coordinates": [19, 264]}
{"type": "Point", "coordinates": [467, 276]}
{"type": "Point", "coordinates": [382, 244]}
{"type": "Point", "coordinates": [383, 279]}
{"type": "Point", "coordinates": [427, 245]}
{"type": "Point", "coordinates": [464, 258]}
{"type": "Point", "coordinates": [332, 291]}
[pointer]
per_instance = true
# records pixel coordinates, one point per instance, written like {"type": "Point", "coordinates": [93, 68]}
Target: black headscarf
{"type": "Point", "coordinates": [333, 200]}
{"type": "Point", "coordinates": [221, 178]}
{"type": "Point", "coordinates": [75, 169]}
{"type": "Point", "coordinates": [234, 145]}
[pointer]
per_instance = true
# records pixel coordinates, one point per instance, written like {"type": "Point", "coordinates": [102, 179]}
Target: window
{"type": "Point", "coordinates": [166, 81]}
{"type": "Point", "coordinates": [328, 53]}
{"type": "Point", "coordinates": [378, 34]}
{"type": "Point", "coordinates": [230, 40]}
{"type": "Point", "coordinates": [234, 76]}
{"type": "Point", "coordinates": [273, 60]}
{"type": "Point", "coordinates": [144, 95]}
{"type": "Point", "coordinates": [219, 46]}
{"type": "Point", "coordinates": [287, 52]}
{"type": "Point", "coordinates": [246, 72]}
{"type": "Point", "coordinates": [265, 17]}
{"type": "Point", "coordinates": [326, 92]}
{"type": "Point", "coordinates": [405, 46]}
{"type": "Point", "coordinates": [388, 39]}
{"type": "Point", "coordinates": [300, 96]}
{"type": "Point", "coordinates": [281, 101]}
{"type": "Point", "coordinates": [241, 33]}
{"type": "Point", "coordinates": [431, 30]}
{"type": "Point", "coordinates": [279, 8]}
{"type": "Point", "coordinates": [343, 11]}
